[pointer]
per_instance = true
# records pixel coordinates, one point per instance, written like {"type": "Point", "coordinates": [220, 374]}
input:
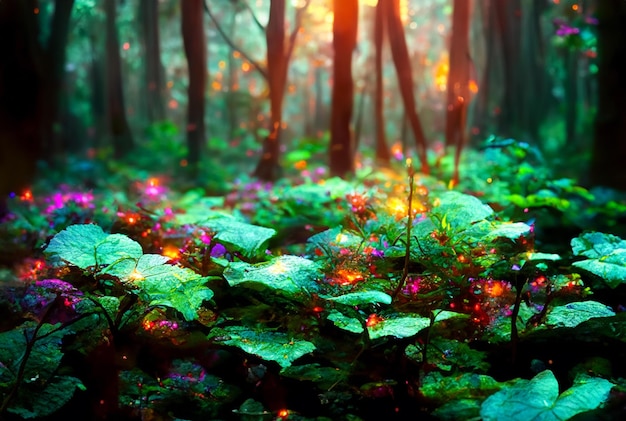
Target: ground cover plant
{"type": "Point", "coordinates": [389, 296]}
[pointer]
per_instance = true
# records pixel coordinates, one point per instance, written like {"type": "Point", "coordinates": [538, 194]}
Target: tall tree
{"type": "Point", "coordinates": [383, 156]}
{"type": "Point", "coordinates": [54, 63]}
{"type": "Point", "coordinates": [278, 55]}
{"type": "Point", "coordinates": [119, 129]}
{"type": "Point", "coordinates": [400, 54]}
{"type": "Point", "coordinates": [154, 73]}
{"type": "Point", "coordinates": [21, 101]}
{"type": "Point", "coordinates": [345, 24]}
{"type": "Point", "coordinates": [195, 51]}
{"type": "Point", "coordinates": [458, 81]}
{"type": "Point", "coordinates": [609, 148]}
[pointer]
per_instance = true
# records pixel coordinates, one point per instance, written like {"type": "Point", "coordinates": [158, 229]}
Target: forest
{"type": "Point", "coordinates": [312, 210]}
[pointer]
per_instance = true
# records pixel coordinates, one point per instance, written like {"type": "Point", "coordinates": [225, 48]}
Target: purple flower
{"type": "Point", "coordinates": [218, 250]}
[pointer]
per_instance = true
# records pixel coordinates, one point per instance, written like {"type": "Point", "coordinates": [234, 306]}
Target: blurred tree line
{"type": "Point", "coordinates": [82, 76]}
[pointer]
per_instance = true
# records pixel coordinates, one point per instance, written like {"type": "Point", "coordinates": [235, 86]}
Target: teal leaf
{"type": "Point", "coordinates": [36, 402]}
{"type": "Point", "coordinates": [611, 268]}
{"type": "Point", "coordinates": [573, 314]}
{"type": "Point", "coordinates": [344, 322]}
{"type": "Point", "coordinates": [163, 284]}
{"type": "Point", "coordinates": [510, 230]}
{"type": "Point", "coordinates": [363, 297]}
{"type": "Point", "coordinates": [398, 326]}
{"type": "Point", "coordinates": [88, 246]}
{"type": "Point", "coordinates": [290, 275]}
{"type": "Point", "coordinates": [461, 210]}
{"type": "Point", "coordinates": [440, 388]}
{"type": "Point", "coordinates": [264, 343]}
{"type": "Point", "coordinates": [538, 399]}
{"type": "Point", "coordinates": [596, 245]}
{"type": "Point", "coordinates": [324, 377]}
{"type": "Point", "coordinates": [250, 240]}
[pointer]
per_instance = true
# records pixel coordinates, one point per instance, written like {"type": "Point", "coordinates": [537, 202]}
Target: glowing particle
{"type": "Point", "coordinates": [283, 413]}
{"type": "Point", "coordinates": [135, 275]}
{"type": "Point", "coordinates": [126, 46]}
{"type": "Point", "coordinates": [373, 320]}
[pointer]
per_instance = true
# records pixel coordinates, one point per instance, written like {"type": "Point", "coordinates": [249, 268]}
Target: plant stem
{"type": "Point", "coordinates": [407, 255]}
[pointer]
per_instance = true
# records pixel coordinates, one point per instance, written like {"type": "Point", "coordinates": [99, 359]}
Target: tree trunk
{"type": "Point", "coordinates": [268, 168]}
{"type": "Point", "coordinates": [458, 82]}
{"type": "Point", "coordinates": [345, 25]}
{"type": "Point", "coordinates": [383, 155]}
{"type": "Point", "coordinates": [54, 60]}
{"type": "Point", "coordinates": [153, 67]}
{"type": "Point", "coordinates": [21, 101]}
{"type": "Point", "coordinates": [119, 130]}
{"type": "Point", "coordinates": [194, 39]}
{"type": "Point", "coordinates": [402, 64]}
{"type": "Point", "coordinates": [609, 148]}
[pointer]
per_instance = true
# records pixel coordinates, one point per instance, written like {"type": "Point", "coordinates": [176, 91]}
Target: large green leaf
{"type": "Point", "coordinates": [596, 245]}
{"type": "Point", "coordinates": [447, 354]}
{"type": "Point", "coordinates": [611, 268]}
{"type": "Point", "coordinates": [160, 283]}
{"type": "Point", "coordinates": [539, 399]}
{"type": "Point", "coordinates": [440, 388]}
{"type": "Point", "coordinates": [573, 314]}
{"type": "Point", "coordinates": [46, 399]}
{"type": "Point", "coordinates": [87, 246]}
{"type": "Point", "coordinates": [460, 210]}
{"type": "Point", "coordinates": [511, 230]}
{"type": "Point", "coordinates": [250, 240]}
{"type": "Point", "coordinates": [344, 322]}
{"type": "Point", "coordinates": [362, 297]}
{"type": "Point", "coordinates": [265, 343]}
{"type": "Point", "coordinates": [290, 275]}
{"type": "Point", "coordinates": [398, 326]}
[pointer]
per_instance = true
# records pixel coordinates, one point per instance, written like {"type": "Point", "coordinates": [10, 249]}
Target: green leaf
{"type": "Point", "coordinates": [400, 327]}
{"type": "Point", "coordinates": [461, 210]}
{"type": "Point", "coordinates": [611, 268]}
{"type": "Point", "coordinates": [363, 297]}
{"type": "Point", "coordinates": [88, 246]}
{"type": "Point", "coordinates": [160, 283]}
{"type": "Point", "coordinates": [573, 314]}
{"type": "Point", "coordinates": [448, 354]}
{"type": "Point", "coordinates": [290, 275]}
{"type": "Point", "coordinates": [538, 399]}
{"type": "Point", "coordinates": [266, 344]}
{"type": "Point", "coordinates": [324, 377]}
{"type": "Point", "coordinates": [597, 245]}
{"type": "Point", "coordinates": [511, 230]}
{"type": "Point", "coordinates": [344, 322]}
{"type": "Point", "coordinates": [250, 240]}
{"type": "Point", "coordinates": [40, 402]}
{"type": "Point", "coordinates": [440, 388]}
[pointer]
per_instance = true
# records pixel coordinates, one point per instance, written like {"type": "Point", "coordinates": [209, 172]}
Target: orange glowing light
{"type": "Point", "coordinates": [131, 220]}
{"type": "Point", "coordinates": [126, 46]}
{"type": "Point", "coordinates": [221, 64]}
{"type": "Point", "coordinates": [441, 73]}
{"type": "Point", "coordinates": [283, 413]}
{"type": "Point", "coordinates": [27, 196]}
{"type": "Point", "coordinates": [496, 289]}
{"type": "Point", "coordinates": [171, 251]}
{"type": "Point", "coordinates": [473, 86]}
{"type": "Point", "coordinates": [348, 276]}
{"type": "Point", "coordinates": [216, 85]}
{"type": "Point", "coordinates": [245, 66]}
{"type": "Point", "coordinates": [236, 54]}
{"type": "Point", "coordinates": [172, 104]}
{"type": "Point", "coordinates": [183, 163]}
{"type": "Point", "coordinates": [574, 7]}
{"type": "Point", "coordinates": [300, 165]}
{"type": "Point", "coordinates": [373, 320]}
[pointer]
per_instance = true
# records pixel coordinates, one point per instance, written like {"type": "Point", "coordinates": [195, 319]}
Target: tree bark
{"type": "Point", "coordinates": [119, 130]}
{"type": "Point", "coordinates": [345, 25]}
{"type": "Point", "coordinates": [609, 147]}
{"type": "Point", "coordinates": [54, 59]}
{"type": "Point", "coordinates": [153, 67]}
{"type": "Point", "coordinates": [21, 99]}
{"type": "Point", "coordinates": [400, 54]}
{"type": "Point", "coordinates": [383, 155]}
{"type": "Point", "coordinates": [194, 40]}
{"type": "Point", "coordinates": [268, 168]}
{"type": "Point", "coordinates": [458, 82]}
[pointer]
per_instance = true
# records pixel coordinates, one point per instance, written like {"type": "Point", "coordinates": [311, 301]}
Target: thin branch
{"type": "Point", "coordinates": [232, 45]}
{"type": "Point", "coordinates": [298, 23]}
{"type": "Point", "coordinates": [256, 20]}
